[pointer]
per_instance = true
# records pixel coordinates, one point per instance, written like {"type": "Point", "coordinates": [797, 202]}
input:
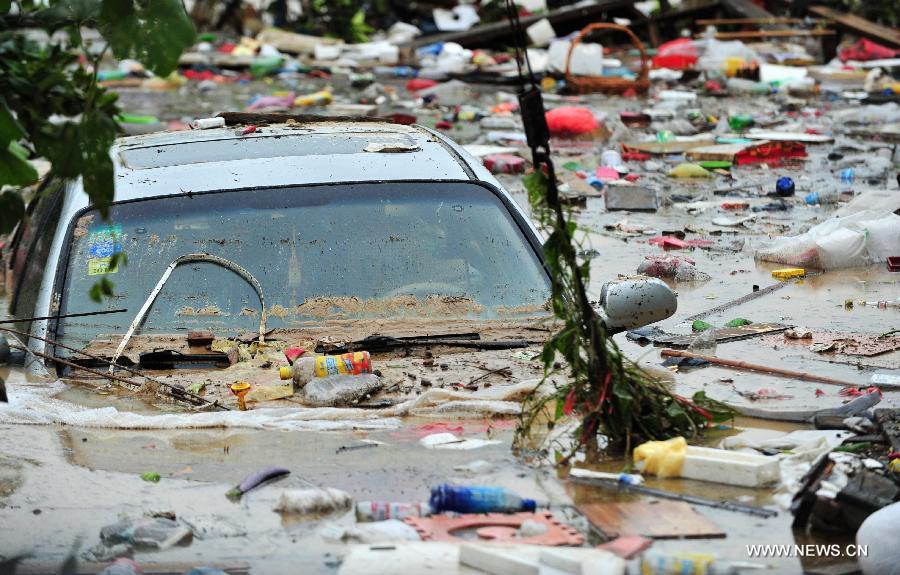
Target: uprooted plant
{"type": "Point", "coordinates": [616, 401]}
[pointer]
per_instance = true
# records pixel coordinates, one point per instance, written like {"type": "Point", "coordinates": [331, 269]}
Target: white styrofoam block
{"type": "Point", "coordinates": [496, 561]}
{"type": "Point", "coordinates": [729, 467]}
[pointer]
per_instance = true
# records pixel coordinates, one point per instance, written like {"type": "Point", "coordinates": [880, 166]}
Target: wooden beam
{"type": "Point", "coordinates": [749, 21]}
{"type": "Point", "coordinates": [745, 9]}
{"type": "Point", "coordinates": [759, 34]}
{"type": "Point", "coordinates": [860, 26]}
{"type": "Point", "coordinates": [477, 36]}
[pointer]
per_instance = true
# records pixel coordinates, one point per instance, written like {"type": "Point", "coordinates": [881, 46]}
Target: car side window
{"type": "Point", "coordinates": [32, 248]}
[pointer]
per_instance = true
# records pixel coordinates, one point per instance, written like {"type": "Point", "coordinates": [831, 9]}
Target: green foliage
{"type": "Point", "coordinates": [612, 396]}
{"type": "Point", "coordinates": [344, 19]}
{"type": "Point", "coordinates": [154, 32]}
{"type": "Point", "coordinates": [52, 107]}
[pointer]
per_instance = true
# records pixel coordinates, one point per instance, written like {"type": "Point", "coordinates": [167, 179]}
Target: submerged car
{"type": "Point", "coordinates": [316, 235]}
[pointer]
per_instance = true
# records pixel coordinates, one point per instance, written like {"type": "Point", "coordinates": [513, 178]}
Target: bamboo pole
{"type": "Point", "coordinates": [760, 368]}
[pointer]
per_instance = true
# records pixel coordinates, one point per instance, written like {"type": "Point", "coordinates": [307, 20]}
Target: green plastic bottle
{"type": "Point", "coordinates": [741, 122]}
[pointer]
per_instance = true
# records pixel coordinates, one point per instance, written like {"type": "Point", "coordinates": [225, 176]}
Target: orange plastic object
{"type": "Point", "coordinates": [495, 527]}
{"type": "Point", "coordinates": [240, 389]}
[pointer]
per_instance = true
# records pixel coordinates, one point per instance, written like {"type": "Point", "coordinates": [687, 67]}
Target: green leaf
{"type": "Point", "coordinates": [5, 5]}
{"type": "Point", "coordinates": [12, 210]}
{"type": "Point", "coordinates": [103, 287]}
{"type": "Point", "coordinates": [10, 129]}
{"type": "Point", "coordinates": [15, 169]}
{"type": "Point", "coordinates": [154, 32]}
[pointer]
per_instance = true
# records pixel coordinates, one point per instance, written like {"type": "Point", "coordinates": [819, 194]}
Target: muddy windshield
{"type": "Point", "coordinates": [391, 250]}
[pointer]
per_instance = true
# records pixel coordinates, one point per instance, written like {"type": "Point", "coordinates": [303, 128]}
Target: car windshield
{"type": "Point", "coordinates": [391, 250]}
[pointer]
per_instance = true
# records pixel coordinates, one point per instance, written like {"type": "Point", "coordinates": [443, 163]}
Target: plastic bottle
{"type": "Point", "coordinates": [828, 196]}
{"type": "Point", "coordinates": [340, 389]}
{"type": "Point", "coordinates": [741, 122]}
{"type": "Point", "coordinates": [784, 187]}
{"type": "Point", "coordinates": [307, 368]}
{"type": "Point", "coordinates": [705, 343]}
{"type": "Point", "coordinates": [320, 98]}
{"type": "Point", "coordinates": [384, 510]}
{"type": "Point", "coordinates": [477, 499]}
{"type": "Point", "coordinates": [659, 563]}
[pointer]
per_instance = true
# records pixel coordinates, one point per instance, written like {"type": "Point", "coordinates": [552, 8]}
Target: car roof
{"type": "Point", "coordinates": [282, 154]}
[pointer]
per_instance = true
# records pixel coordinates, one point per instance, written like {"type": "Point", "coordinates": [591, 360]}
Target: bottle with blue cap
{"type": "Point", "coordinates": [477, 499]}
{"type": "Point", "coordinates": [784, 187]}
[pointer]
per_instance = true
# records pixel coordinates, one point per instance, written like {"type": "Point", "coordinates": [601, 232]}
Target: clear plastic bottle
{"type": "Point", "coordinates": [705, 343]}
{"type": "Point", "coordinates": [335, 390]}
{"type": "Point", "coordinates": [305, 369]}
{"type": "Point", "coordinates": [384, 510]}
{"type": "Point", "coordinates": [477, 499]}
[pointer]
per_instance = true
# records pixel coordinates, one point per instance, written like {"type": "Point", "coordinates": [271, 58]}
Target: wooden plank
{"type": "Point", "coordinates": [759, 34]}
{"type": "Point", "coordinates": [860, 26]}
{"type": "Point", "coordinates": [481, 34]}
{"type": "Point", "coordinates": [654, 519]}
{"type": "Point", "coordinates": [749, 21]}
{"type": "Point", "coordinates": [745, 9]}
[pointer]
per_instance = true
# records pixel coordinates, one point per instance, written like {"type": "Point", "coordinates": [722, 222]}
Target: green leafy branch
{"type": "Point", "coordinates": [52, 107]}
{"type": "Point", "coordinates": [613, 398]}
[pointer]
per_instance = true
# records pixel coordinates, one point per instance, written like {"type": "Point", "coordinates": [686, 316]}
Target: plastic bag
{"type": "Point", "coordinates": [571, 121]}
{"type": "Point", "coordinates": [308, 501]}
{"type": "Point", "coordinates": [856, 240]}
{"type": "Point", "coordinates": [336, 390]}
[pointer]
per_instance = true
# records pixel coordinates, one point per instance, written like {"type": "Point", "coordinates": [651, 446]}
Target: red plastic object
{"type": "Point", "coordinates": [504, 164]}
{"type": "Point", "coordinates": [403, 119]}
{"type": "Point", "coordinates": [494, 527]}
{"type": "Point", "coordinates": [417, 84]}
{"type": "Point", "coordinates": [443, 125]}
{"type": "Point", "coordinates": [678, 54]}
{"type": "Point", "coordinates": [635, 156]}
{"type": "Point", "coordinates": [735, 205]}
{"type": "Point", "coordinates": [628, 546]}
{"type": "Point", "coordinates": [668, 242]}
{"type": "Point", "coordinates": [248, 130]}
{"type": "Point", "coordinates": [292, 353]}
{"type": "Point", "coordinates": [770, 153]}
{"type": "Point", "coordinates": [571, 121]}
{"type": "Point", "coordinates": [865, 50]}
{"type": "Point", "coordinates": [893, 263]}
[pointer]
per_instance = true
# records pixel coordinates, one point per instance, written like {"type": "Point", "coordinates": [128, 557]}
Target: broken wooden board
{"type": "Point", "coordinates": [718, 152]}
{"type": "Point", "coordinates": [788, 137]}
{"type": "Point", "coordinates": [847, 343]}
{"type": "Point", "coordinates": [672, 147]}
{"type": "Point", "coordinates": [861, 26]}
{"type": "Point", "coordinates": [657, 336]}
{"type": "Point", "coordinates": [653, 519]}
{"type": "Point", "coordinates": [745, 9]}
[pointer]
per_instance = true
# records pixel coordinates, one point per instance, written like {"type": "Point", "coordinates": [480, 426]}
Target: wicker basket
{"type": "Point", "coordinates": [581, 84]}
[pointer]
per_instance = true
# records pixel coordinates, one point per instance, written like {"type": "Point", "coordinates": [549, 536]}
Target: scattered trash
{"type": "Point", "coordinates": [312, 501]}
{"type": "Point", "coordinates": [462, 499]}
{"type": "Point", "coordinates": [450, 441]}
{"type": "Point", "coordinates": [256, 479]}
{"type": "Point", "coordinates": [146, 533]}
{"type": "Point", "coordinates": [382, 510]}
{"type": "Point", "coordinates": [151, 477]}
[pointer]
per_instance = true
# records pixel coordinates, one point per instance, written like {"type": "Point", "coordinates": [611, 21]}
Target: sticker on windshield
{"type": "Point", "coordinates": [103, 244]}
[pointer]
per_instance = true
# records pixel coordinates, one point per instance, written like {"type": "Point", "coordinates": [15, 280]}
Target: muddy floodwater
{"type": "Point", "coordinates": [60, 484]}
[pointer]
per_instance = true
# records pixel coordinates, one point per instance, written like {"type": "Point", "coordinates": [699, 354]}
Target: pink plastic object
{"type": "Point", "coordinates": [504, 164]}
{"type": "Point", "coordinates": [606, 174]}
{"type": "Point", "coordinates": [494, 527]}
{"type": "Point", "coordinates": [568, 121]}
{"type": "Point", "coordinates": [292, 353]}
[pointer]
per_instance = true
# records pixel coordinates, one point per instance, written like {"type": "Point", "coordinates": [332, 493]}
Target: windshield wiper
{"type": "Point", "coordinates": [387, 343]}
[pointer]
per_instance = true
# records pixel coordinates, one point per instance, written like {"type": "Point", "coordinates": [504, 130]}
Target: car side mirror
{"type": "Point", "coordinates": [634, 302]}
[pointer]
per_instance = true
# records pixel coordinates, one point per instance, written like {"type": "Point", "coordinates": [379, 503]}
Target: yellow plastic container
{"type": "Point", "coordinates": [788, 273]}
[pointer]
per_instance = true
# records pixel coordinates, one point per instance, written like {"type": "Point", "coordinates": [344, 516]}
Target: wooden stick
{"type": "Point", "coordinates": [747, 21]}
{"type": "Point", "coordinates": [759, 368]}
{"type": "Point", "coordinates": [759, 34]}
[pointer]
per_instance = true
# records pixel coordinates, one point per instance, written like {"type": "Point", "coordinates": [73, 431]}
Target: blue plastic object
{"type": "Point", "coordinates": [477, 499]}
{"type": "Point", "coordinates": [784, 187]}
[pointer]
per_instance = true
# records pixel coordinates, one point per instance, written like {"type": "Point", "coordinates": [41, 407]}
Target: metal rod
{"type": "Point", "coordinates": [735, 302]}
{"type": "Point", "coordinates": [696, 500]}
{"type": "Point", "coordinates": [193, 396]}
{"type": "Point", "coordinates": [85, 314]}
{"type": "Point", "coordinates": [760, 368]}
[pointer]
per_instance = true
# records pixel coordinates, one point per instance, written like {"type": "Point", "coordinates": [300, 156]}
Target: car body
{"type": "Point", "coordinates": [198, 170]}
